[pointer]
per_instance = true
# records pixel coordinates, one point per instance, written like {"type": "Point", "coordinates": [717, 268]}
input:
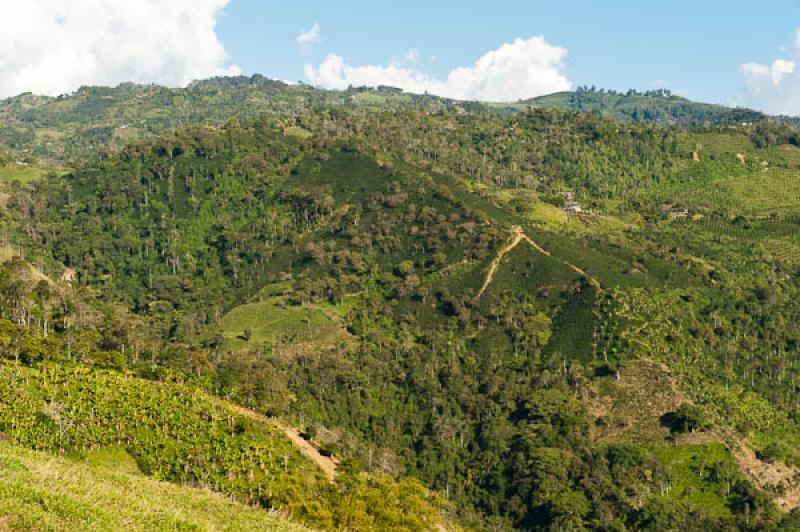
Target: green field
{"type": "Point", "coordinates": [22, 173]}
{"type": "Point", "coordinates": [755, 193]}
{"type": "Point", "coordinates": [697, 475]}
{"type": "Point", "coordinates": [273, 322]}
{"type": "Point", "coordinates": [39, 491]}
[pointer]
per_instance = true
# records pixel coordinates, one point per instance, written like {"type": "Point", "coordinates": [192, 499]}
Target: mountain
{"type": "Point", "coordinates": [96, 121]}
{"type": "Point", "coordinates": [659, 106]}
{"type": "Point", "coordinates": [93, 120]}
{"type": "Point", "coordinates": [545, 319]}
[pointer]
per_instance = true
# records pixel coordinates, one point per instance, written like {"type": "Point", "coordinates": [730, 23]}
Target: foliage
{"type": "Point", "coordinates": [361, 269]}
{"type": "Point", "coordinates": [40, 491]}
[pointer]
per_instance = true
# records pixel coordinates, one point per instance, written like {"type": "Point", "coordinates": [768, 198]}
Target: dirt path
{"type": "Point", "coordinates": [519, 236]}
{"type": "Point", "coordinates": [326, 463]}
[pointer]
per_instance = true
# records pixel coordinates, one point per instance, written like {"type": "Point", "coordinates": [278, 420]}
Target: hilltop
{"type": "Point", "coordinates": [660, 106]}
{"type": "Point", "coordinates": [93, 121]}
{"type": "Point", "coordinates": [42, 131]}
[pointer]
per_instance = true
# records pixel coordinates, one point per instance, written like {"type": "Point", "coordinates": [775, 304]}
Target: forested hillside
{"type": "Point", "coordinates": [656, 106]}
{"type": "Point", "coordinates": [542, 320]}
{"type": "Point", "coordinates": [94, 121]}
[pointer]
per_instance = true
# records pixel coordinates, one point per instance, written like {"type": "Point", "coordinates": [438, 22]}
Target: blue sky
{"type": "Point", "coordinates": [731, 52]}
{"type": "Point", "coordinates": [694, 47]}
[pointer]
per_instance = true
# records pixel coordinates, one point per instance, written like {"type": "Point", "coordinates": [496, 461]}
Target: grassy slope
{"type": "Point", "coordinates": [739, 200]}
{"type": "Point", "coordinates": [43, 492]}
{"type": "Point", "coordinates": [23, 174]}
{"type": "Point", "coordinates": [693, 476]}
{"type": "Point", "coordinates": [172, 432]}
{"type": "Point", "coordinates": [274, 321]}
{"type": "Point", "coordinates": [6, 253]}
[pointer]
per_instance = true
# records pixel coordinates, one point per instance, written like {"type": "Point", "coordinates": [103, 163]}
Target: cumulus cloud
{"type": "Point", "coordinates": [759, 76]}
{"type": "Point", "coordinates": [55, 46]}
{"type": "Point", "coordinates": [521, 69]}
{"type": "Point", "coordinates": [309, 38]}
{"type": "Point", "coordinates": [774, 87]}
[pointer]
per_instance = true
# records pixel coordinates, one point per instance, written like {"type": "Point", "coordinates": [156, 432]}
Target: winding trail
{"type": "Point", "coordinates": [326, 464]}
{"type": "Point", "coordinates": [519, 236]}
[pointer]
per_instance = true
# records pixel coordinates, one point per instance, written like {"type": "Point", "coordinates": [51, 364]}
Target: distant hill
{"type": "Point", "coordinates": [64, 129]}
{"type": "Point", "coordinates": [660, 106]}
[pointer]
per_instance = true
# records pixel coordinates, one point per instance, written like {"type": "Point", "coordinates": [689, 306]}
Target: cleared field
{"type": "Point", "coordinates": [696, 475]}
{"type": "Point", "coordinates": [719, 143]}
{"type": "Point", "coordinates": [757, 193]}
{"type": "Point", "coordinates": [276, 323]}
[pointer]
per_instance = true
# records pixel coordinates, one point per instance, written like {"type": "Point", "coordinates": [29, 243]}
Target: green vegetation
{"type": "Point", "coordinates": [178, 434]}
{"type": "Point", "coordinates": [43, 492]}
{"type": "Point", "coordinates": [22, 173]}
{"type": "Point", "coordinates": [551, 318]}
{"type": "Point", "coordinates": [658, 106]}
{"type": "Point", "coordinates": [703, 475]}
{"type": "Point", "coordinates": [290, 326]}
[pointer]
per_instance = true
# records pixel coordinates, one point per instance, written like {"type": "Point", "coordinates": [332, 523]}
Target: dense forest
{"type": "Point", "coordinates": [654, 106]}
{"type": "Point", "coordinates": [542, 319]}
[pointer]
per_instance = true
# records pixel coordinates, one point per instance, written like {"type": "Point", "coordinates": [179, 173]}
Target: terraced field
{"type": "Point", "coordinates": [758, 193]}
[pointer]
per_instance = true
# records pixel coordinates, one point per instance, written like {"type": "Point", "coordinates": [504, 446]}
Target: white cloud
{"type": "Point", "coordinates": [774, 87]}
{"type": "Point", "coordinates": [522, 69]}
{"type": "Point", "coordinates": [55, 46]}
{"type": "Point", "coordinates": [759, 76]}
{"type": "Point", "coordinates": [309, 38]}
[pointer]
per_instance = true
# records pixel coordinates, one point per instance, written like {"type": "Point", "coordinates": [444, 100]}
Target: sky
{"type": "Point", "coordinates": [730, 52]}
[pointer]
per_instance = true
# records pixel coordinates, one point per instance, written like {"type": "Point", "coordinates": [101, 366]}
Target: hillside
{"type": "Point", "coordinates": [39, 133]}
{"type": "Point", "coordinates": [172, 432]}
{"type": "Point", "coordinates": [105, 491]}
{"type": "Point", "coordinates": [659, 107]}
{"type": "Point", "coordinates": [95, 120]}
{"type": "Point", "coordinates": [553, 319]}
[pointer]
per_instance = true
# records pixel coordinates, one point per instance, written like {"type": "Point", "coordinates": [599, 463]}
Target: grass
{"type": "Point", "coordinates": [43, 492]}
{"type": "Point", "coordinates": [6, 253]}
{"type": "Point", "coordinates": [756, 193]}
{"type": "Point", "coordinates": [22, 173]}
{"type": "Point", "coordinates": [718, 143]}
{"type": "Point", "coordinates": [297, 132]}
{"type": "Point", "coordinates": [692, 475]}
{"type": "Point", "coordinates": [272, 321]}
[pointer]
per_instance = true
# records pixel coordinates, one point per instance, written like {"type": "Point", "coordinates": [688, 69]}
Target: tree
{"type": "Point", "coordinates": [689, 418]}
